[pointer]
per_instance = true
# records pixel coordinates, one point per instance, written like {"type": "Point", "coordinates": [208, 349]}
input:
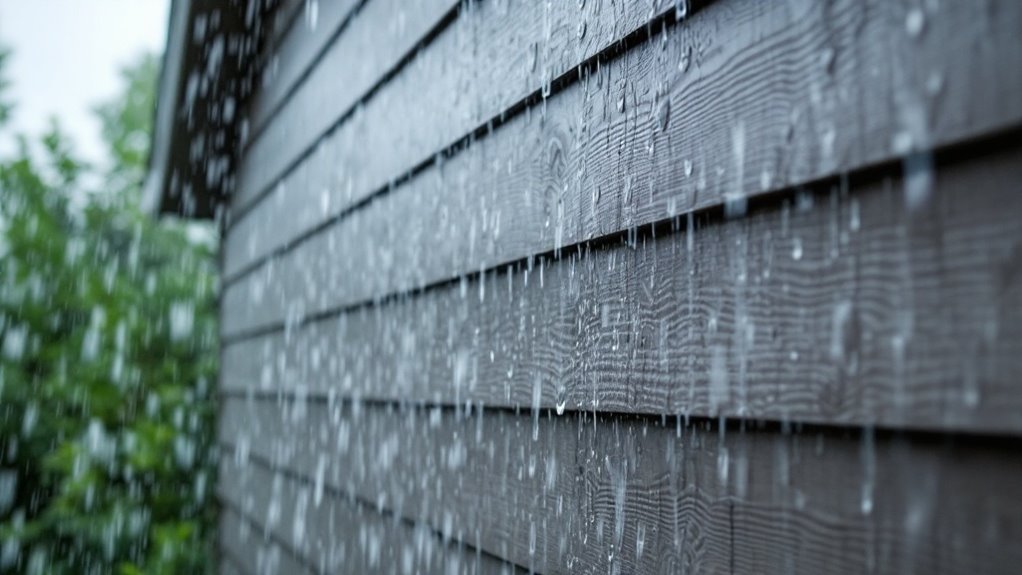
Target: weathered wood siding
{"type": "Point", "coordinates": [595, 287]}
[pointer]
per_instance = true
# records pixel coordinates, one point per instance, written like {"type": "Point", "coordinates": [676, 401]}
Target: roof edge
{"type": "Point", "coordinates": [174, 57]}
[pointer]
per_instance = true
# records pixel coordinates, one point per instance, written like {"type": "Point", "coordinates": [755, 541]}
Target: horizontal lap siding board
{"type": "Point", "coordinates": [335, 534]}
{"type": "Point", "coordinates": [243, 545]}
{"type": "Point", "coordinates": [548, 178]}
{"type": "Point", "coordinates": [840, 307]}
{"type": "Point", "coordinates": [228, 567]}
{"type": "Point", "coordinates": [493, 55]}
{"type": "Point", "coordinates": [376, 40]}
{"type": "Point", "coordinates": [574, 494]}
{"type": "Point", "coordinates": [311, 27]}
{"type": "Point", "coordinates": [368, 423]}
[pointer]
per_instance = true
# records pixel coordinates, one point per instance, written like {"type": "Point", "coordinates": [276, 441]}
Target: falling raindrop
{"type": "Point", "coordinates": [918, 170]}
{"type": "Point", "coordinates": [680, 9]}
{"type": "Point", "coordinates": [537, 397]}
{"type": "Point", "coordinates": [935, 84]}
{"type": "Point", "coordinates": [869, 471]}
{"type": "Point", "coordinates": [902, 142]}
{"type": "Point", "coordinates": [915, 21]}
{"type": "Point", "coordinates": [312, 13]}
{"type": "Point", "coordinates": [14, 342]}
{"type": "Point", "coordinates": [562, 399]}
{"type": "Point", "coordinates": [640, 541]}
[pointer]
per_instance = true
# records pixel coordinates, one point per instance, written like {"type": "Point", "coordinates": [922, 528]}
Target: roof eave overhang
{"type": "Point", "coordinates": [209, 70]}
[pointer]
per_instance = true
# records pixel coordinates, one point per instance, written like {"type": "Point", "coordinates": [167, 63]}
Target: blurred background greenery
{"type": "Point", "coordinates": [108, 358]}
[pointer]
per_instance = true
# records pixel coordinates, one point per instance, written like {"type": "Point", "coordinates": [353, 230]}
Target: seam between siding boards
{"type": "Point", "coordinates": [306, 72]}
{"type": "Point", "coordinates": [339, 494]}
{"type": "Point", "coordinates": [969, 148]}
{"type": "Point", "coordinates": [389, 75]}
{"type": "Point", "coordinates": [614, 50]}
{"type": "Point", "coordinates": [266, 534]}
{"type": "Point", "coordinates": [704, 423]}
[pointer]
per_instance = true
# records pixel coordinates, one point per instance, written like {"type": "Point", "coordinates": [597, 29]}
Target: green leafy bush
{"type": "Point", "coordinates": [107, 361]}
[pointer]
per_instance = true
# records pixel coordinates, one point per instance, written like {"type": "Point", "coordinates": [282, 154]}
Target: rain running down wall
{"type": "Point", "coordinates": [595, 286]}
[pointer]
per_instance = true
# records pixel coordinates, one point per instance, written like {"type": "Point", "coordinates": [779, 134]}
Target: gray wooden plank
{"type": "Point", "coordinates": [492, 56]}
{"type": "Point", "coordinates": [336, 534]}
{"type": "Point", "coordinates": [290, 57]}
{"type": "Point", "coordinates": [251, 551]}
{"type": "Point", "coordinates": [850, 305]}
{"type": "Point", "coordinates": [619, 494]}
{"type": "Point", "coordinates": [227, 567]}
{"type": "Point", "coordinates": [380, 35]}
{"type": "Point", "coordinates": [578, 168]}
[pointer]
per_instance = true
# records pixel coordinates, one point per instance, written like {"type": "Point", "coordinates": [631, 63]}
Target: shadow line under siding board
{"type": "Point", "coordinates": [298, 52]}
{"type": "Point", "coordinates": [483, 211]}
{"type": "Point", "coordinates": [559, 493]}
{"type": "Point", "coordinates": [335, 533]}
{"type": "Point", "coordinates": [468, 80]}
{"type": "Point", "coordinates": [336, 87]}
{"type": "Point", "coordinates": [845, 308]}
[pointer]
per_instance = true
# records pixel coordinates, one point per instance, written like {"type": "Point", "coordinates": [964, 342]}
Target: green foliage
{"type": "Point", "coordinates": [107, 363]}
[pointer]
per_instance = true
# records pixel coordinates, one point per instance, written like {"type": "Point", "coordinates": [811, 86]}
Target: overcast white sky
{"type": "Point", "coordinates": [67, 57]}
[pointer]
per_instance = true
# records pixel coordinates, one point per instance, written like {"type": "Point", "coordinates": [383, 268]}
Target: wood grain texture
{"type": "Point", "coordinates": [618, 494]}
{"type": "Point", "coordinates": [251, 552]}
{"type": "Point", "coordinates": [379, 37]}
{"type": "Point", "coordinates": [335, 534]}
{"type": "Point", "coordinates": [290, 58]}
{"type": "Point", "coordinates": [494, 55]}
{"type": "Point", "coordinates": [845, 306]}
{"type": "Point", "coordinates": [760, 112]}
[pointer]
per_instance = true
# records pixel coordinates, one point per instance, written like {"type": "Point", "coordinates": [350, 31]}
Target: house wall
{"type": "Point", "coordinates": [585, 287]}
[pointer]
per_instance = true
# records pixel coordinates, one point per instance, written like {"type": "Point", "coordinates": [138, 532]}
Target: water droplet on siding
{"type": "Point", "coordinates": [664, 113]}
{"type": "Point", "coordinates": [827, 58]}
{"type": "Point", "coordinates": [686, 59]}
